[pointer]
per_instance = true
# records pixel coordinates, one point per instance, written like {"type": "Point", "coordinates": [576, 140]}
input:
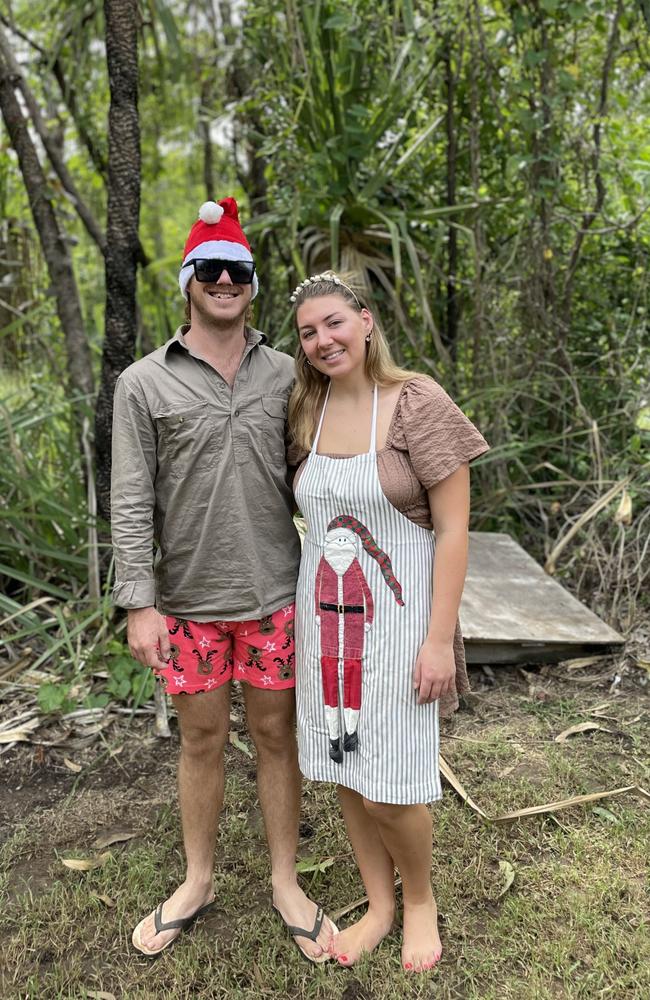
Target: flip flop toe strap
{"type": "Point", "coordinates": [314, 932]}
{"type": "Point", "coordinates": [181, 923]}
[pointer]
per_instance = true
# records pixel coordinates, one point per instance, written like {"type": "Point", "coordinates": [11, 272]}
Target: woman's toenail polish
{"type": "Point", "coordinates": [407, 965]}
{"type": "Point", "coordinates": [343, 958]}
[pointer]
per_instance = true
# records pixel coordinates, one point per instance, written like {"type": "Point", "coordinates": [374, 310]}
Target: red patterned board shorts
{"type": "Point", "coordinates": [206, 655]}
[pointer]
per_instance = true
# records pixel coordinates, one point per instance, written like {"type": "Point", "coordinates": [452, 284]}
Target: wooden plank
{"type": "Point", "coordinates": [513, 611]}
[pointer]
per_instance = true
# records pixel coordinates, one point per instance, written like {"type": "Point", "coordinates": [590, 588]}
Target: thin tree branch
{"type": "Point", "coordinates": [62, 172]}
{"type": "Point", "coordinates": [590, 215]}
{"type": "Point", "coordinates": [52, 239]}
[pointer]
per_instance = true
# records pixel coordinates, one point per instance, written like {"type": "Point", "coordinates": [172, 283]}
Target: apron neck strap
{"type": "Point", "coordinates": [373, 428]}
{"type": "Point", "coordinates": [320, 422]}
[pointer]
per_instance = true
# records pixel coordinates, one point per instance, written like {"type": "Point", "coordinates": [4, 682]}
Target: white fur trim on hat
{"type": "Point", "coordinates": [223, 249]}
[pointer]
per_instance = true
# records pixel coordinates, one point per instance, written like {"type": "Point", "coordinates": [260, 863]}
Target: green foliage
{"type": "Point", "coordinates": [116, 677]}
{"type": "Point", "coordinates": [373, 136]}
{"type": "Point", "coordinates": [128, 680]}
{"type": "Point", "coordinates": [54, 697]}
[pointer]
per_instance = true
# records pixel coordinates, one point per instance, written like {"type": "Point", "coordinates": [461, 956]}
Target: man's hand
{"type": "Point", "coordinates": [148, 637]}
{"type": "Point", "coordinates": [435, 670]}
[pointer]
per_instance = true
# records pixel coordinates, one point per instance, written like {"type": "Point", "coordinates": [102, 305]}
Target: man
{"type": "Point", "coordinates": [199, 467]}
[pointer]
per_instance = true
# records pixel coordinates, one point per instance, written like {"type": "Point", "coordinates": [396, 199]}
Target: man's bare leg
{"type": "Point", "coordinates": [204, 722]}
{"type": "Point", "coordinates": [271, 723]}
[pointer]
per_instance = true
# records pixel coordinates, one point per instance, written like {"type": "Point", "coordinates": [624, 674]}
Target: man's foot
{"type": "Point", "coordinates": [297, 910]}
{"type": "Point", "coordinates": [187, 899]}
{"type": "Point", "coordinates": [363, 936]}
{"type": "Point", "coordinates": [421, 948]}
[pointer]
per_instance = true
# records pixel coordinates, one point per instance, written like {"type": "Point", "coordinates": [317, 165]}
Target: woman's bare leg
{"type": "Point", "coordinates": [406, 832]}
{"type": "Point", "coordinates": [378, 873]}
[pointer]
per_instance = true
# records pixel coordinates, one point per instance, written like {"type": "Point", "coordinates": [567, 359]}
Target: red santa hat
{"type": "Point", "coordinates": [371, 547]}
{"type": "Point", "coordinates": [216, 234]}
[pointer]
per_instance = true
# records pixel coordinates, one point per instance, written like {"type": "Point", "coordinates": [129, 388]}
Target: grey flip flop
{"type": "Point", "coordinates": [181, 923]}
{"type": "Point", "coordinates": [311, 935]}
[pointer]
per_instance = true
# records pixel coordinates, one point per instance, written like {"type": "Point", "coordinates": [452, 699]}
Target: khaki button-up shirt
{"type": "Point", "coordinates": [199, 475]}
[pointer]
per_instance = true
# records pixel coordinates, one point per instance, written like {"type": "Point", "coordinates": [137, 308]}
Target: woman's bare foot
{"type": "Point", "coordinates": [421, 948]}
{"type": "Point", "coordinates": [188, 898]}
{"type": "Point", "coordinates": [297, 910]}
{"type": "Point", "coordinates": [363, 936]}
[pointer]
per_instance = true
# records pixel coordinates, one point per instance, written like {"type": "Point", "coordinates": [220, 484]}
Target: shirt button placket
{"type": "Point", "coordinates": [235, 433]}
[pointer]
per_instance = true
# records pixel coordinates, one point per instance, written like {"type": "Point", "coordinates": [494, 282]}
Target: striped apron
{"type": "Point", "coordinates": [362, 613]}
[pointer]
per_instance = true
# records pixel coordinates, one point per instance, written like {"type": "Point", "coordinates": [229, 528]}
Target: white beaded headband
{"type": "Point", "coordinates": [315, 278]}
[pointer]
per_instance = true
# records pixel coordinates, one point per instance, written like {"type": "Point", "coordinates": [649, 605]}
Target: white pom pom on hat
{"type": "Point", "coordinates": [210, 212]}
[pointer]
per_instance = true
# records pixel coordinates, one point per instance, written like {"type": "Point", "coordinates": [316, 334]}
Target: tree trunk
{"type": "Point", "coordinates": [52, 238]}
{"type": "Point", "coordinates": [122, 244]}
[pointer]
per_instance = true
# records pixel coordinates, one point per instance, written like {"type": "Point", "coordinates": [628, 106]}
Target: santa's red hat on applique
{"type": "Point", "coordinates": [216, 234]}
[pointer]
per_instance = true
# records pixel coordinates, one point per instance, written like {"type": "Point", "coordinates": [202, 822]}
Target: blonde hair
{"type": "Point", "coordinates": [310, 387]}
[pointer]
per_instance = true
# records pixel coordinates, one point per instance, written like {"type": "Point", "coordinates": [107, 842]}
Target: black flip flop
{"type": "Point", "coordinates": [181, 923]}
{"type": "Point", "coordinates": [296, 932]}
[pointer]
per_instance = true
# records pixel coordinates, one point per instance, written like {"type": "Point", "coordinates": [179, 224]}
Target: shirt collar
{"type": "Point", "coordinates": [177, 342]}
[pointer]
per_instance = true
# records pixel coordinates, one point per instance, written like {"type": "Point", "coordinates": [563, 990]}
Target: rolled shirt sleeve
{"type": "Point", "coordinates": [133, 497]}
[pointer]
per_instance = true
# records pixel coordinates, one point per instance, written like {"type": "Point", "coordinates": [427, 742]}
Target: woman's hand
{"type": "Point", "coordinates": [435, 670]}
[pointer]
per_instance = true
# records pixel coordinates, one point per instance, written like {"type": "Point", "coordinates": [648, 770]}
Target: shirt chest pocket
{"type": "Point", "coordinates": [259, 430]}
{"type": "Point", "coordinates": [274, 415]}
{"type": "Point", "coordinates": [188, 440]}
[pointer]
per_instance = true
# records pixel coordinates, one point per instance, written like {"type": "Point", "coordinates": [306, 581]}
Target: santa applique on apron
{"type": "Point", "coordinates": [344, 614]}
{"type": "Point", "coordinates": [363, 603]}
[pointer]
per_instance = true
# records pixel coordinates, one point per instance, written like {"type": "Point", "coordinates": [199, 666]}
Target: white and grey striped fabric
{"type": "Point", "coordinates": [397, 757]}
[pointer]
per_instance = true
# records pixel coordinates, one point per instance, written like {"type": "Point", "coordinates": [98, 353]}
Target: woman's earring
{"type": "Point", "coordinates": [368, 339]}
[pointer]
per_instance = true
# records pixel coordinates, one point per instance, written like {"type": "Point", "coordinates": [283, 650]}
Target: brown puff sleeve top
{"type": "Point", "coordinates": [429, 437]}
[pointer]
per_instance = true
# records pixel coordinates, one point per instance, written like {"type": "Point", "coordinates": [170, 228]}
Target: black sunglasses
{"type": "Point", "coordinates": [241, 272]}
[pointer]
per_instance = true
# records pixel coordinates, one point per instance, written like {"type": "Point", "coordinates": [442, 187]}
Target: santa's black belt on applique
{"type": "Point", "coordinates": [343, 609]}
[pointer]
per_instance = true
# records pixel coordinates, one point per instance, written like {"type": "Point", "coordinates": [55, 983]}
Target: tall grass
{"type": "Point", "coordinates": [47, 548]}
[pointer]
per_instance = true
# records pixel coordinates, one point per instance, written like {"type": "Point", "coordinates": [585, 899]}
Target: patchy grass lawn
{"type": "Point", "coordinates": [573, 923]}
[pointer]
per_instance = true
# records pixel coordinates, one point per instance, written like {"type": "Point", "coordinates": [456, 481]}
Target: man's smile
{"type": "Point", "coordinates": [222, 293]}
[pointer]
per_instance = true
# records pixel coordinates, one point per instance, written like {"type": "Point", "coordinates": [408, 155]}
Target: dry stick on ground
{"type": "Point", "coordinates": [547, 807]}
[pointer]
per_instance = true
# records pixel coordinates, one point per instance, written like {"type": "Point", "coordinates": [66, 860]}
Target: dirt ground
{"type": "Point", "coordinates": [111, 794]}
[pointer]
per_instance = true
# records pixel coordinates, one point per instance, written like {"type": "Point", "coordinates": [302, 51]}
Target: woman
{"type": "Point", "coordinates": [385, 458]}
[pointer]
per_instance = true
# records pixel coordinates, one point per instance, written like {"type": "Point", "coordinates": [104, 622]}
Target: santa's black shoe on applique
{"type": "Point", "coordinates": [335, 751]}
{"type": "Point", "coordinates": [350, 741]}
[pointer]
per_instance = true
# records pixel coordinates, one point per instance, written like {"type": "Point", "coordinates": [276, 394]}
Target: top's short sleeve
{"type": "Point", "coordinates": [435, 433]}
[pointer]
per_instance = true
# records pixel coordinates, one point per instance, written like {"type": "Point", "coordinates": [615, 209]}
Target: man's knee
{"type": "Point", "coordinates": [203, 741]}
{"type": "Point", "coordinates": [274, 733]}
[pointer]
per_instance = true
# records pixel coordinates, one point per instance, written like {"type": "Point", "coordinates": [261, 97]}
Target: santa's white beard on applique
{"type": "Point", "coordinates": [340, 550]}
